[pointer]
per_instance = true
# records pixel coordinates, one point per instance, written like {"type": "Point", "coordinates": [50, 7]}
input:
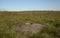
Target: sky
{"type": "Point", "coordinates": [18, 5]}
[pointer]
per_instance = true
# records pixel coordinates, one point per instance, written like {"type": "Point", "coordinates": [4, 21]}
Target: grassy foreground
{"type": "Point", "coordinates": [49, 18]}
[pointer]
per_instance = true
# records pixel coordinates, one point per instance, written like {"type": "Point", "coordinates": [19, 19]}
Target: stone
{"type": "Point", "coordinates": [28, 27]}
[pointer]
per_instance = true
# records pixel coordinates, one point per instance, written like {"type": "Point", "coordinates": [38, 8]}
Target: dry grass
{"type": "Point", "coordinates": [49, 18]}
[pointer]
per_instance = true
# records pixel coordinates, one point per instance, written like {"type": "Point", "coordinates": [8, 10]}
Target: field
{"type": "Point", "coordinates": [51, 19]}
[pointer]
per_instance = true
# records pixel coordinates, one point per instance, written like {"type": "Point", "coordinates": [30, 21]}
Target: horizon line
{"type": "Point", "coordinates": [29, 10]}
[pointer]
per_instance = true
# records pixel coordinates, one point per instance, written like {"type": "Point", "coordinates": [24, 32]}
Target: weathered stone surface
{"type": "Point", "coordinates": [28, 27]}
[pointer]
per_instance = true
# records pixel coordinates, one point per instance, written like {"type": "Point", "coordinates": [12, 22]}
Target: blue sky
{"type": "Point", "coordinates": [16, 5]}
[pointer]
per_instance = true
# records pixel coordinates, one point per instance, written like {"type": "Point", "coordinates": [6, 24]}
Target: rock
{"type": "Point", "coordinates": [28, 27]}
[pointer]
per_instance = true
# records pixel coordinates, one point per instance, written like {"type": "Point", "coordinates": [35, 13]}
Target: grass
{"type": "Point", "coordinates": [49, 18]}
